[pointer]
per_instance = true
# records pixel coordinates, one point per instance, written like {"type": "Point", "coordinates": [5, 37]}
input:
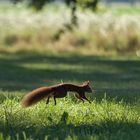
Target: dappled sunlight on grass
{"type": "Point", "coordinates": [69, 118]}
{"type": "Point", "coordinates": [113, 113]}
{"type": "Point", "coordinates": [115, 77]}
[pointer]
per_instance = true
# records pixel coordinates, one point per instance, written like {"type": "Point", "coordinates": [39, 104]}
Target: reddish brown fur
{"type": "Point", "coordinates": [56, 91]}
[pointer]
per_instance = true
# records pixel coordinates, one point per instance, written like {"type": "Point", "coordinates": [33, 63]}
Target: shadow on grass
{"type": "Point", "coordinates": [103, 130]}
{"type": "Point", "coordinates": [114, 77]}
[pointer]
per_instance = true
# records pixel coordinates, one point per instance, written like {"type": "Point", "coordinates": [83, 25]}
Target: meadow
{"type": "Point", "coordinates": [113, 114]}
{"type": "Point", "coordinates": [33, 53]}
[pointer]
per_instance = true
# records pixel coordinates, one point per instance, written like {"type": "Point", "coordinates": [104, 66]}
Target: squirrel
{"type": "Point", "coordinates": [55, 91]}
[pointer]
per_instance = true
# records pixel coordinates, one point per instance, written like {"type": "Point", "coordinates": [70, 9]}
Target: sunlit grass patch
{"type": "Point", "coordinates": [69, 119]}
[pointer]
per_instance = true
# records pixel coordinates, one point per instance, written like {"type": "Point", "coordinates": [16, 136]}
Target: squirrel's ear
{"type": "Point", "coordinates": [86, 83]}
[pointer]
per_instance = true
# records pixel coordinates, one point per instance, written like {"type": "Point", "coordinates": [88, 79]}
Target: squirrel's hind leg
{"type": "Point", "coordinates": [47, 101]}
{"type": "Point", "coordinates": [54, 100]}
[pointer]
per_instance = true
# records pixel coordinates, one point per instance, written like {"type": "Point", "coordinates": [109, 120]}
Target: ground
{"type": "Point", "coordinates": [113, 114]}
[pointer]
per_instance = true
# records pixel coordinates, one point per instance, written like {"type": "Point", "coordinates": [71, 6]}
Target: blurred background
{"type": "Point", "coordinates": [96, 27]}
{"type": "Point", "coordinates": [45, 42]}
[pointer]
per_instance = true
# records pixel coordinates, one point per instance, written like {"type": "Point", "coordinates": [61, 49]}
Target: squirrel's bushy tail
{"type": "Point", "coordinates": [34, 97]}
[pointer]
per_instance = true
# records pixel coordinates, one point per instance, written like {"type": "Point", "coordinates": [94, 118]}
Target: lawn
{"type": "Point", "coordinates": [114, 113]}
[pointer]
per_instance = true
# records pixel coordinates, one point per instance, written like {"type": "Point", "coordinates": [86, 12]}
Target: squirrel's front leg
{"type": "Point", "coordinates": [84, 97]}
{"type": "Point", "coordinates": [77, 96]}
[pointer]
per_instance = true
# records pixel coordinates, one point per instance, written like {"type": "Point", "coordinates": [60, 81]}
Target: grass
{"type": "Point", "coordinates": [128, 10]}
{"type": "Point", "coordinates": [114, 113]}
{"type": "Point", "coordinates": [99, 120]}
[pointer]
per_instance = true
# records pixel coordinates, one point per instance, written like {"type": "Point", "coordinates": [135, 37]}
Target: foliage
{"type": "Point", "coordinates": [91, 4]}
{"type": "Point", "coordinates": [99, 34]}
{"type": "Point", "coordinates": [38, 4]}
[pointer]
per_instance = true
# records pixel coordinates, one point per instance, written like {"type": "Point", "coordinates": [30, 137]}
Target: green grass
{"type": "Point", "coordinates": [114, 113]}
{"type": "Point", "coordinates": [122, 10]}
{"type": "Point", "coordinates": [99, 120]}
{"type": "Point", "coordinates": [114, 9]}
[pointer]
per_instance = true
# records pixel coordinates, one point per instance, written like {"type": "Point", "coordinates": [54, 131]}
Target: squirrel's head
{"type": "Point", "coordinates": [87, 87]}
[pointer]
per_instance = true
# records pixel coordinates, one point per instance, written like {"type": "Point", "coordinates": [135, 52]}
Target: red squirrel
{"type": "Point", "coordinates": [56, 91]}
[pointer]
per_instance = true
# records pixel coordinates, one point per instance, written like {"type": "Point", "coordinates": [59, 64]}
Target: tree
{"type": "Point", "coordinates": [90, 4]}
{"type": "Point", "coordinates": [73, 4]}
{"type": "Point", "coordinates": [39, 4]}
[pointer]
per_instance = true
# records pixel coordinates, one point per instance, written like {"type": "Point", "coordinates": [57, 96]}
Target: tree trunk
{"type": "Point", "coordinates": [74, 19]}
